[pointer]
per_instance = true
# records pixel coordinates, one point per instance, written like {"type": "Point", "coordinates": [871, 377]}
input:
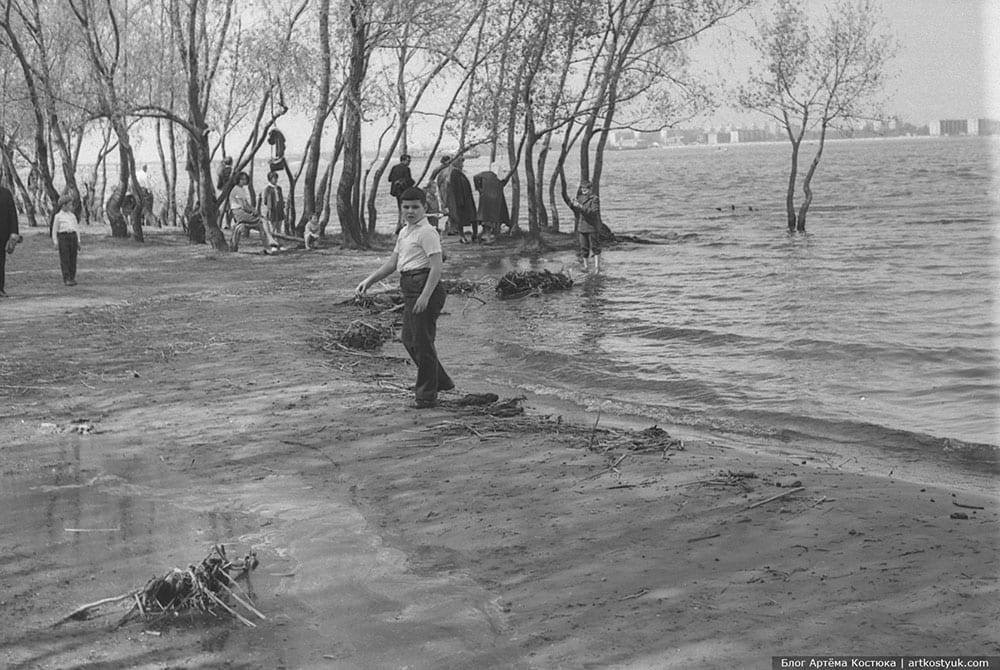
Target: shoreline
{"type": "Point", "coordinates": [441, 538]}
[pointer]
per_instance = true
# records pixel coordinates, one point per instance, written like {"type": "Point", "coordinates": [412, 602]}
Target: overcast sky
{"type": "Point", "coordinates": [947, 63]}
{"type": "Point", "coordinates": [946, 66]}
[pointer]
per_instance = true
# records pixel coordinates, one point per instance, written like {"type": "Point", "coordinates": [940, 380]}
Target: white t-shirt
{"type": "Point", "coordinates": [64, 222]}
{"type": "Point", "coordinates": [415, 244]}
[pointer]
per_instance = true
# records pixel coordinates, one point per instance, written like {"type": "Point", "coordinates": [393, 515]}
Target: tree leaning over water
{"type": "Point", "coordinates": [812, 76]}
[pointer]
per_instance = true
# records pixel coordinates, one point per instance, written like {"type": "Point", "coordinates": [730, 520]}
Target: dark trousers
{"type": "Point", "coordinates": [69, 247]}
{"type": "Point", "coordinates": [419, 331]}
{"type": "Point", "coordinates": [3, 262]}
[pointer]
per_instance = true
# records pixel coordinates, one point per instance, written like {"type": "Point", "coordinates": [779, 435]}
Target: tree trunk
{"type": "Point", "coordinates": [309, 199]}
{"type": "Point", "coordinates": [348, 202]}
{"type": "Point", "coordinates": [172, 192]}
{"type": "Point", "coordinates": [800, 224]}
{"type": "Point", "coordinates": [116, 218]}
{"type": "Point", "coordinates": [163, 170]}
{"type": "Point", "coordinates": [531, 183]}
{"type": "Point", "coordinates": [793, 172]}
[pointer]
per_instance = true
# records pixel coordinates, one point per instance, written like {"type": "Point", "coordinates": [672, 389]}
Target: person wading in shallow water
{"type": "Point", "coordinates": [417, 256]}
{"type": "Point", "coordinates": [588, 225]}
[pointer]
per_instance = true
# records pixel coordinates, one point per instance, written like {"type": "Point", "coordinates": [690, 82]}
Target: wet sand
{"type": "Point", "coordinates": [177, 398]}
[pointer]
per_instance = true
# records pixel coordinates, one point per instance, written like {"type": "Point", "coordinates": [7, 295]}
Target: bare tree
{"type": "Point", "coordinates": [812, 75]}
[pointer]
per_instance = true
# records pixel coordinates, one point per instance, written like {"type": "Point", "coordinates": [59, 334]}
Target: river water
{"type": "Point", "coordinates": [878, 326]}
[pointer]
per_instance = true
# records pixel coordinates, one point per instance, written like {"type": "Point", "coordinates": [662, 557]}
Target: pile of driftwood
{"type": "Point", "coordinates": [208, 587]}
{"type": "Point", "coordinates": [392, 299]}
{"type": "Point", "coordinates": [648, 440]}
{"type": "Point", "coordinates": [363, 336]}
{"type": "Point", "coordinates": [531, 282]}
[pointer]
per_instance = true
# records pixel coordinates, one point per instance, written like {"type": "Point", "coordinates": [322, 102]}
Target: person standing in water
{"type": "Point", "coordinates": [587, 208]}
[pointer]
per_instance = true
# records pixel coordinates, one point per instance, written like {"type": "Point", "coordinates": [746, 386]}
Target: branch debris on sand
{"type": "Point", "coordinates": [601, 440]}
{"type": "Point", "coordinates": [207, 587]}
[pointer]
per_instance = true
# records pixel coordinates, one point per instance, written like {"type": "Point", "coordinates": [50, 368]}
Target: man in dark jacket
{"type": "Point", "coordinates": [399, 180]}
{"type": "Point", "coordinates": [9, 235]}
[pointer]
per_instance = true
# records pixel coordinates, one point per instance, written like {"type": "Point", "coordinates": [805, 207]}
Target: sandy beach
{"type": "Point", "coordinates": [179, 398]}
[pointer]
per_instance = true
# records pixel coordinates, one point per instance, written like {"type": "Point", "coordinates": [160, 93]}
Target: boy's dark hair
{"type": "Point", "coordinates": [271, 175]}
{"type": "Point", "coordinates": [414, 193]}
{"type": "Point", "coordinates": [404, 157]}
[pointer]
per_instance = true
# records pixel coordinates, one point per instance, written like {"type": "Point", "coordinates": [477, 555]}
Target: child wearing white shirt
{"type": "Point", "coordinates": [66, 238]}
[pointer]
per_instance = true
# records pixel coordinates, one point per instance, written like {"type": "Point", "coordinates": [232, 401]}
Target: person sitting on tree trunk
{"type": "Point", "coordinates": [246, 217]}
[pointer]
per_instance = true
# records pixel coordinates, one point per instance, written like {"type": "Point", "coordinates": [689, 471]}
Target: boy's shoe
{"type": "Point", "coordinates": [71, 282]}
{"type": "Point", "coordinates": [424, 404]}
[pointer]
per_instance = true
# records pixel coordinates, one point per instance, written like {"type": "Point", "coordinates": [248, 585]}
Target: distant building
{"type": "Point", "coordinates": [984, 127]}
{"type": "Point", "coordinates": [749, 135]}
{"type": "Point", "coordinates": [965, 127]}
{"type": "Point", "coordinates": [950, 127]}
{"type": "Point", "coordinates": [718, 137]}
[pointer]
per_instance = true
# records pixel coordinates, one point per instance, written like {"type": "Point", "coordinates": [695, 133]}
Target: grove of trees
{"type": "Point", "coordinates": [536, 84]}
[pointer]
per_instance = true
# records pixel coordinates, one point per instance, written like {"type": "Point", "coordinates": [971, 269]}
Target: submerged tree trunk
{"type": "Point", "coordinates": [800, 224]}
{"type": "Point", "coordinates": [793, 172]}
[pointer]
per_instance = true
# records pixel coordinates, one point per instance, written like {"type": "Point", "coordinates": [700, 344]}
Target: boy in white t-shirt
{"type": "Point", "coordinates": [417, 256]}
{"type": "Point", "coordinates": [66, 238]}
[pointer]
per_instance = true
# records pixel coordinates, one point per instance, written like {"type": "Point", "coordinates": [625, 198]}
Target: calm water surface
{"type": "Point", "coordinates": [878, 325]}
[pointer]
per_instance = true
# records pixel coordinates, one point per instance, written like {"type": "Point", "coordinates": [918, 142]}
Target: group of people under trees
{"type": "Point", "coordinates": [448, 195]}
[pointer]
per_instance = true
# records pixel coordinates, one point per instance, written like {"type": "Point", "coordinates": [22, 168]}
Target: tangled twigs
{"type": "Point", "coordinates": [377, 303]}
{"type": "Point", "coordinates": [520, 284]}
{"type": "Point", "coordinates": [489, 404]}
{"type": "Point", "coordinates": [365, 336]}
{"type": "Point", "coordinates": [730, 478]}
{"type": "Point", "coordinates": [460, 286]}
{"type": "Point", "coordinates": [210, 584]}
{"type": "Point", "coordinates": [649, 439]}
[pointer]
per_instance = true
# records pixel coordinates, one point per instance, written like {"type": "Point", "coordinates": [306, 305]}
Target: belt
{"type": "Point", "coordinates": [414, 273]}
{"type": "Point", "coordinates": [67, 233]}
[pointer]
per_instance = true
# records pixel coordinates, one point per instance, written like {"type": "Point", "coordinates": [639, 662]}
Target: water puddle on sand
{"type": "Point", "coordinates": [79, 526]}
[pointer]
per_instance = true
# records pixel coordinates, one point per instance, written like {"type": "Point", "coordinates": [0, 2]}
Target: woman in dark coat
{"type": "Point", "coordinates": [461, 204]}
{"type": "Point", "coordinates": [493, 212]}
